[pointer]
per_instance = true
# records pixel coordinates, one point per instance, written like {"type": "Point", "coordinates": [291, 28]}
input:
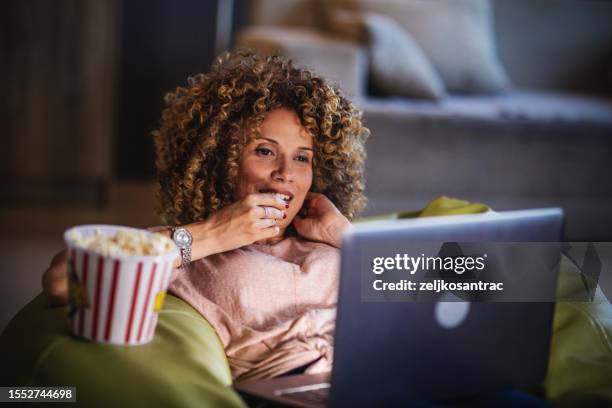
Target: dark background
{"type": "Point", "coordinates": [82, 84]}
{"type": "Point", "coordinates": [162, 44]}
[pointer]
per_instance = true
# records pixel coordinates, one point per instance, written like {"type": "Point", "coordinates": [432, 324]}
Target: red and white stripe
{"type": "Point", "coordinates": [121, 296]}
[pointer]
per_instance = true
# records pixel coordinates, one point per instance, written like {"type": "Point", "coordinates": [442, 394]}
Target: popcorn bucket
{"type": "Point", "coordinates": [115, 297]}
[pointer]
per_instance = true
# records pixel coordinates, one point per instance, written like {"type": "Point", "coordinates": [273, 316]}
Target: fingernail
{"type": "Point", "coordinates": [286, 205]}
{"type": "Point", "coordinates": [284, 216]}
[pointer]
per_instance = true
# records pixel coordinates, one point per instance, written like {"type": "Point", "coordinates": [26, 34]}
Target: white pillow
{"type": "Point", "coordinates": [456, 35]}
{"type": "Point", "coordinates": [397, 64]}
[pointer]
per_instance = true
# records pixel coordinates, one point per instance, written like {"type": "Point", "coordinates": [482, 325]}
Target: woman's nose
{"type": "Point", "coordinates": [283, 170]}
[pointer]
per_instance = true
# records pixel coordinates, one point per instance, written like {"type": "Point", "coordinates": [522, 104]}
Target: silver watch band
{"type": "Point", "coordinates": [184, 246]}
{"type": "Point", "coordinates": [185, 256]}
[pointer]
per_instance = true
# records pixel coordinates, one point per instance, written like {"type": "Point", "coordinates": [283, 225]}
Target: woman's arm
{"type": "Point", "coordinates": [203, 243]}
{"type": "Point", "coordinates": [236, 225]}
{"type": "Point", "coordinates": [55, 278]}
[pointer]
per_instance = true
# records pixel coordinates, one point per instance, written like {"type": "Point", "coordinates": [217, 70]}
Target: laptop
{"type": "Point", "coordinates": [397, 352]}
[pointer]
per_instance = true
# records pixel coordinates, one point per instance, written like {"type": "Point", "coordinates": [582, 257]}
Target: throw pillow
{"type": "Point", "coordinates": [397, 64]}
{"type": "Point", "coordinates": [456, 35]}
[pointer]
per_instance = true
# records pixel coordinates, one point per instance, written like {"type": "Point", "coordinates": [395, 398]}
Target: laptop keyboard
{"type": "Point", "coordinates": [310, 397]}
{"type": "Point", "coordinates": [318, 394]}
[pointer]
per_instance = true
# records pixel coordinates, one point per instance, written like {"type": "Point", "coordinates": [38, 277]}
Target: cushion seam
{"type": "Point", "coordinates": [603, 335]}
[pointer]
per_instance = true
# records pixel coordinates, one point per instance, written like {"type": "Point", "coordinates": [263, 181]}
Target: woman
{"type": "Point", "coordinates": [261, 163]}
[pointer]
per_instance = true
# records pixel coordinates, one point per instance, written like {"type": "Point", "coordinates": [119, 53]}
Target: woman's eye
{"type": "Point", "coordinates": [263, 151]}
{"type": "Point", "coordinates": [304, 159]}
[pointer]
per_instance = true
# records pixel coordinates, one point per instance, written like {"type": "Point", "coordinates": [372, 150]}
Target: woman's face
{"type": "Point", "coordinates": [279, 161]}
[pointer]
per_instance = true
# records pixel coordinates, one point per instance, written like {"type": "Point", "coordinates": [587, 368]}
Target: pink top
{"type": "Point", "coordinates": [273, 306]}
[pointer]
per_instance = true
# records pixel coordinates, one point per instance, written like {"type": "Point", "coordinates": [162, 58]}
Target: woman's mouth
{"type": "Point", "coordinates": [285, 196]}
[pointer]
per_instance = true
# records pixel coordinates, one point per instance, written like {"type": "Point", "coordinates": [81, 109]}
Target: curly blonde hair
{"type": "Point", "coordinates": [205, 125]}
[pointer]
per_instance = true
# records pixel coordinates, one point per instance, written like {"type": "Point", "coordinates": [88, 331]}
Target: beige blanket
{"type": "Point", "coordinates": [273, 306]}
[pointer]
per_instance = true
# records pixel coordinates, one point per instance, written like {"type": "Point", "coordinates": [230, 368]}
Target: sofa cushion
{"type": "Point", "coordinates": [488, 148]}
{"type": "Point", "coordinates": [457, 35]}
{"type": "Point", "coordinates": [339, 61]}
{"type": "Point", "coordinates": [286, 13]}
{"type": "Point", "coordinates": [398, 66]}
{"type": "Point", "coordinates": [538, 107]}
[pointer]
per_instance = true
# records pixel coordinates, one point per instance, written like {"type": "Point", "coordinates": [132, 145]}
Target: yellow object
{"type": "Point", "coordinates": [444, 205]}
{"type": "Point", "coordinates": [78, 296]}
{"type": "Point", "coordinates": [159, 300]}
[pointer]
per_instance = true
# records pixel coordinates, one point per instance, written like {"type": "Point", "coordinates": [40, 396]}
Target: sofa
{"type": "Point", "coordinates": [517, 107]}
{"type": "Point", "coordinates": [185, 364]}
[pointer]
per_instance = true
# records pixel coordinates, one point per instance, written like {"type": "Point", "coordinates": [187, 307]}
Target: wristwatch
{"type": "Point", "coordinates": [183, 240]}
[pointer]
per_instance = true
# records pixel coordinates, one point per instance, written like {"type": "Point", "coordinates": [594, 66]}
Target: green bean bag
{"type": "Point", "coordinates": [185, 365]}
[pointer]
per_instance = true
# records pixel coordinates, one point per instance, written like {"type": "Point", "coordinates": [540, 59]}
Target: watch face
{"type": "Point", "coordinates": [182, 238]}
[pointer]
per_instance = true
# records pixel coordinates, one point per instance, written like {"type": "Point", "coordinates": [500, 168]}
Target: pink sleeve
{"type": "Point", "coordinates": [157, 228]}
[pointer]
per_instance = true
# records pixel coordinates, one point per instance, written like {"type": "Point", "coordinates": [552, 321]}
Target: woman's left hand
{"type": "Point", "coordinates": [323, 222]}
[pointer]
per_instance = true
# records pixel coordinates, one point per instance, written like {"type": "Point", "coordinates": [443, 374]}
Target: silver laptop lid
{"type": "Point", "coordinates": [396, 352]}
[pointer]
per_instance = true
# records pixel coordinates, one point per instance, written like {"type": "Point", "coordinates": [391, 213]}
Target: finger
{"type": "Point", "coordinates": [266, 223]}
{"type": "Point", "coordinates": [270, 200]}
{"type": "Point", "coordinates": [60, 257]}
{"type": "Point", "coordinates": [312, 196]}
{"type": "Point", "coordinates": [297, 222]}
{"type": "Point", "coordinates": [55, 280]}
{"type": "Point", "coordinates": [317, 203]}
{"type": "Point", "coordinates": [269, 232]}
{"type": "Point", "coordinates": [58, 269]}
{"type": "Point", "coordinates": [316, 199]}
{"type": "Point", "coordinates": [272, 213]}
{"type": "Point", "coordinates": [303, 222]}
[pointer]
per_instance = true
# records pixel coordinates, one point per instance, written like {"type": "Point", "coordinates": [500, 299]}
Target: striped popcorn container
{"type": "Point", "coordinates": [115, 299]}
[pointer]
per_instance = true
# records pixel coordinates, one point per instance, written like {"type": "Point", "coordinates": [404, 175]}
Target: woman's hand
{"type": "Point", "coordinates": [55, 280]}
{"type": "Point", "coordinates": [244, 222]}
{"type": "Point", "coordinates": [238, 224]}
{"type": "Point", "coordinates": [322, 221]}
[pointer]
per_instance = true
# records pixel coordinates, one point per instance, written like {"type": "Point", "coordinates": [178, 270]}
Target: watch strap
{"type": "Point", "coordinates": [185, 250]}
{"type": "Point", "coordinates": [185, 256]}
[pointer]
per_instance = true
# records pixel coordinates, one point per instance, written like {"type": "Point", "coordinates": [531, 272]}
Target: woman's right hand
{"type": "Point", "coordinates": [241, 223]}
{"type": "Point", "coordinates": [55, 280]}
